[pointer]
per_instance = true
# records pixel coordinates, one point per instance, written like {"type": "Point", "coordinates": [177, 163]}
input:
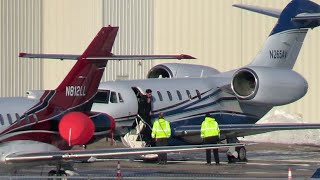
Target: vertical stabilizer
{"type": "Point", "coordinates": [285, 41]}
{"type": "Point", "coordinates": [81, 83]}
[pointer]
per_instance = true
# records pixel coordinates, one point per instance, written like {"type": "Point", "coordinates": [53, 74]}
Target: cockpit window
{"type": "Point", "coordinates": [102, 97]}
{"type": "Point", "coordinates": [120, 98]}
{"type": "Point", "coordinates": [113, 97]}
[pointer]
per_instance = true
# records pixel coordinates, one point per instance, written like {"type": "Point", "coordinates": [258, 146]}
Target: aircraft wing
{"type": "Point", "coordinates": [85, 154]}
{"type": "Point", "coordinates": [113, 57]}
{"type": "Point", "coordinates": [241, 130]}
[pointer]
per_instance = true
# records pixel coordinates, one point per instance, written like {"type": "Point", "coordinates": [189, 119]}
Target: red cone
{"type": "Point", "coordinates": [289, 173]}
{"type": "Point", "coordinates": [118, 171]}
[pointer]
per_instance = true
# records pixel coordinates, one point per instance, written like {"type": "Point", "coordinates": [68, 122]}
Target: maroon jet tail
{"type": "Point", "coordinates": [78, 88]}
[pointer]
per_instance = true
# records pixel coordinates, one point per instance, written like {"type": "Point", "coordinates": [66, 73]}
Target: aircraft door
{"type": "Point", "coordinates": [138, 94]}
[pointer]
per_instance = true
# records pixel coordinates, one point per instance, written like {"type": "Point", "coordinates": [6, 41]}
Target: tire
{"type": "Point", "coordinates": [242, 154]}
{"type": "Point", "coordinates": [52, 173]}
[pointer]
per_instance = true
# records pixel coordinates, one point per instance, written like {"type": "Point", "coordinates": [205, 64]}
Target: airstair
{"type": "Point", "coordinates": [133, 138]}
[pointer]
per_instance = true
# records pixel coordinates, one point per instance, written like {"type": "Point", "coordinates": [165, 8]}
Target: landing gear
{"type": "Point", "coordinates": [68, 171]}
{"type": "Point", "coordinates": [236, 154]}
{"type": "Point", "coordinates": [52, 173]}
{"type": "Point", "coordinates": [57, 173]}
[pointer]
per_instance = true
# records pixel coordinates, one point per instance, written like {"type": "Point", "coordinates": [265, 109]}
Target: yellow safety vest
{"type": "Point", "coordinates": [209, 127]}
{"type": "Point", "coordinates": [161, 129]}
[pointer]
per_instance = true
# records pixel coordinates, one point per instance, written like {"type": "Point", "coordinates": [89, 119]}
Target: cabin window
{"type": "Point", "coordinates": [102, 97]}
{"type": "Point", "coordinates": [169, 95]}
{"type": "Point", "coordinates": [188, 94]}
{"type": "Point", "coordinates": [9, 118]}
{"type": "Point", "coordinates": [27, 118]}
{"type": "Point", "coordinates": [35, 117]}
{"type": "Point", "coordinates": [179, 95]}
{"type": "Point", "coordinates": [198, 94]}
{"type": "Point", "coordinates": [113, 97]}
{"type": "Point", "coordinates": [17, 117]}
{"type": "Point", "coordinates": [160, 95]}
{"type": "Point", "coordinates": [1, 120]}
{"type": "Point", "coordinates": [120, 98]}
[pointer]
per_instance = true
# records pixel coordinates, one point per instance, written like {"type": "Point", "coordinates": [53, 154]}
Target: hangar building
{"type": "Point", "coordinates": [218, 34]}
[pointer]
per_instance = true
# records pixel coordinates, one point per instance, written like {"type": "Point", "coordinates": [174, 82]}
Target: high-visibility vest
{"type": "Point", "coordinates": [161, 129]}
{"type": "Point", "coordinates": [209, 127]}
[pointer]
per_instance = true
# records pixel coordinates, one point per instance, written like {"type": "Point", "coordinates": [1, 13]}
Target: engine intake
{"type": "Point", "coordinates": [268, 86]}
{"type": "Point", "coordinates": [245, 83]}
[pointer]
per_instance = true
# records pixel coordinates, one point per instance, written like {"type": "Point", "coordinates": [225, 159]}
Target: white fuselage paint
{"type": "Point", "coordinates": [191, 107]}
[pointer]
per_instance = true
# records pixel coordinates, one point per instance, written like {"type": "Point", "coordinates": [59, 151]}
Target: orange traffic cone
{"type": "Point", "coordinates": [289, 173]}
{"type": "Point", "coordinates": [118, 171]}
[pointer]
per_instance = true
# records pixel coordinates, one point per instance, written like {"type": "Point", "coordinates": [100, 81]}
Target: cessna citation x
{"type": "Point", "coordinates": [42, 128]}
{"type": "Point", "coordinates": [237, 98]}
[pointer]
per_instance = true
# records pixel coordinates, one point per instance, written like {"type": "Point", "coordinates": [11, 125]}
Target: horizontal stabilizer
{"type": "Point", "coordinates": [143, 57]}
{"type": "Point", "coordinates": [266, 11]}
{"type": "Point", "coordinates": [49, 56]}
{"type": "Point", "coordinates": [113, 57]}
{"type": "Point", "coordinates": [307, 17]}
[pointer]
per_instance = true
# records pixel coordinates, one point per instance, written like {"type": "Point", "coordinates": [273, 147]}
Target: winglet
{"type": "Point", "coordinates": [185, 56]}
{"type": "Point", "coordinates": [22, 54]}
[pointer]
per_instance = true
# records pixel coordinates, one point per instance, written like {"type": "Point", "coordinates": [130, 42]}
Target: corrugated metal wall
{"type": "Point", "coordinates": [212, 30]}
{"type": "Point", "coordinates": [225, 37]}
{"type": "Point", "coordinates": [20, 31]}
{"type": "Point", "coordinates": [68, 28]}
{"type": "Point", "coordinates": [136, 33]}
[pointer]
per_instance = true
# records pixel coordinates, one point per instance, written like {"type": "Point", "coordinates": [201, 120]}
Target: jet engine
{"type": "Point", "coordinates": [269, 86]}
{"type": "Point", "coordinates": [176, 70]}
{"type": "Point", "coordinates": [78, 128]}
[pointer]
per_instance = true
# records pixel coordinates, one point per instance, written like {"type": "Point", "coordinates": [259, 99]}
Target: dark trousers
{"type": "Point", "coordinates": [212, 140]}
{"type": "Point", "coordinates": [162, 157]}
{"type": "Point", "coordinates": [147, 130]}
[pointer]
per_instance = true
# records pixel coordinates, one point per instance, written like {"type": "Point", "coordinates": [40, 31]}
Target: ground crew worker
{"type": "Point", "coordinates": [210, 134]}
{"type": "Point", "coordinates": [161, 132]}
